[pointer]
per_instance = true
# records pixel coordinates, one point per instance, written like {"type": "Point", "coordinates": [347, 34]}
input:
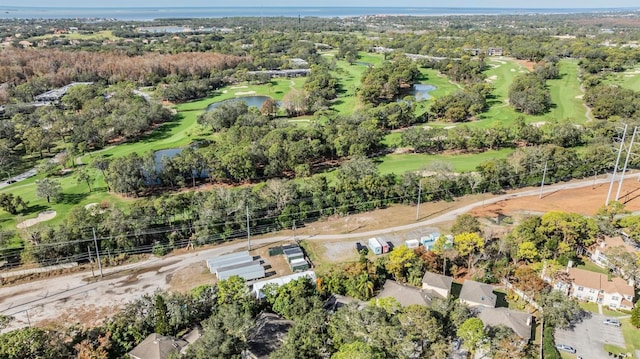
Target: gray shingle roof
{"type": "Point", "coordinates": [437, 280]}
{"type": "Point", "coordinates": [157, 346]}
{"type": "Point", "coordinates": [519, 322]}
{"type": "Point", "coordinates": [476, 293]}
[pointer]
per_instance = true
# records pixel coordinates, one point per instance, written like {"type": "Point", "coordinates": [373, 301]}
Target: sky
{"type": "Point", "coordinates": [312, 3]}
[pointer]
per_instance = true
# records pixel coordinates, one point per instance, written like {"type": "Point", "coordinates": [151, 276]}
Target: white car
{"type": "Point", "coordinates": [612, 322]}
{"type": "Point", "coordinates": [566, 348]}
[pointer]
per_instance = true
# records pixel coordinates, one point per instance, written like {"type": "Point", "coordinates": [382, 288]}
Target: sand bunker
{"type": "Point", "coordinates": [492, 78]}
{"type": "Point", "coordinates": [238, 87]}
{"type": "Point", "coordinates": [90, 205]}
{"type": "Point", "coordinates": [245, 93]}
{"type": "Point", "coordinates": [42, 216]}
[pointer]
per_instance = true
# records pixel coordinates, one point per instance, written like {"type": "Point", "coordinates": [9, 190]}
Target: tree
{"type": "Point", "coordinates": [47, 188]}
{"type": "Point", "coordinates": [10, 203]}
{"type": "Point", "coordinates": [468, 244]}
{"type": "Point", "coordinates": [472, 333]}
{"type": "Point", "coordinates": [33, 343]}
{"type": "Point", "coordinates": [635, 315]}
{"type": "Point", "coordinates": [528, 251]}
{"type": "Point", "coordinates": [162, 323]}
{"type": "Point", "coordinates": [465, 223]}
{"type": "Point", "coordinates": [102, 164]}
{"type": "Point", "coordinates": [234, 291]}
{"type": "Point", "coordinates": [269, 108]}
{"type": "Point", "coordinates": [357, 350]}
{"type": "Point", "coordinates": [559, 310]}
{"type": "Point", "coordinates": [83, 176]}
{"type": "Point", "coordinates": [400, 260]}
{"type": "Point", "coordinates": [224, 334]}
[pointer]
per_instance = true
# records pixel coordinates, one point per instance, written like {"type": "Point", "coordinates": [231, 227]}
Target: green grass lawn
{"type": "Point", "coordinates": [564, 95]}
{"type": "Point", "coordinates": [74, 194]}
{"type": "Point", "coordinates": [98, 35]}
{"type": "Point", "coordinates": [629, 79]}
{"type": "Point", "coordinates": [400, 163]}
{"type": "Point", "coordinates": [631, 335]}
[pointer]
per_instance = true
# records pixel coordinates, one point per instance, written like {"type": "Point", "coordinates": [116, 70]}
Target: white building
{"type": "Point", "coordinates": [598, 288]}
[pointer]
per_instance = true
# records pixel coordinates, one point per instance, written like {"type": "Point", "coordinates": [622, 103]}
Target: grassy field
{"type": "Point", "coordinates": [565, 95]}
{"type": "Point", "coordinates": [98, 35]}
{"type": "Point", "coordinates": [400, 163]}
{"type": "Point", "coordinates": [629, 79]}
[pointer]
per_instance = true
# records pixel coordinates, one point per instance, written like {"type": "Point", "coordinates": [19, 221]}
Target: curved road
{"type": "Point", "coordinates": [72, 295]}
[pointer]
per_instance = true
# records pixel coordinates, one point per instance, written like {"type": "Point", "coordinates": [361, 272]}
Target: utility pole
{"type": "Point", "coordinates": [419, 197]}
{"type": "Point", "coordinates": [544, 176]}
{"type": "Point", "coordinates": [248, 230]}
{"type": "Point", "coordinates": [91, 261]}
{"type": "Point", "coordinates": [626, 161]}
{"type": "Point", "coordinates": [95, 242]}
{"type": "Point", "coordinates": [294, 231]}
{"type": "Point", "coordinates": [615, 168]}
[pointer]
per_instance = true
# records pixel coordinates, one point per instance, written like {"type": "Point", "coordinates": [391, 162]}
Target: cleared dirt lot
{"type": "Point", "coordinates": [586, 201]}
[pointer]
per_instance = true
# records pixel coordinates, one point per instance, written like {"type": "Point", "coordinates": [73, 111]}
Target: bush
{"type": "Point", "coordinates": [160, 249]}
{"type": "Point", "coordinates": [549, 350]}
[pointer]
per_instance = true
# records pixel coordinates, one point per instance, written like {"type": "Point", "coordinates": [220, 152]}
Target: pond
{"type": "Point", "coordinates": [251, 101]}
{"type": "Point", "coordinates": [421, 91]}
{"type": "Point", "coordinates": [168, 153]}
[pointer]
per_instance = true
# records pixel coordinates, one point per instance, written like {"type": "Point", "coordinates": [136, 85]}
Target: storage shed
{"type": "Point", "coordinates": [228, 259]}
{"type": "Point", "coordinates": [412, 243]}
{"type": "Point", "coordinates": [375, 245]}
{"type": "Point", "coordinates": [293, 253]}
{"type": "Point", "coordinates": [384, 244]}
{"type": "Point", "coordinates": [248, 271]}
{"type": "Point", "coordinates": [299, 264]}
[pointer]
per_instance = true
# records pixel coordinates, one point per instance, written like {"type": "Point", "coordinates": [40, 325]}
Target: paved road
{"type": "Point", "coordinates": [589, 337]}
{"type": "Point", "coordinates": [48, 299]}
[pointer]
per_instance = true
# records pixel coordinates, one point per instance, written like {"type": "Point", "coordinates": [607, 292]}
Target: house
{"type": "Point", "coordinates": [407, 295]}
{"type": "Point", "coordinates": [494, 51]}
{"type": "Point", "coordinates": [266, 336]}
{"type": "Point", "coordinates": [598, 288]}
{"type": "Point", "coordinates": [519, 322]}
{"type": "Point", "coordinates": [157, 346]}
{"type": "Point", "coordinates": [477, 294]}
{"type": "Point", "coordinates": [438, 283]}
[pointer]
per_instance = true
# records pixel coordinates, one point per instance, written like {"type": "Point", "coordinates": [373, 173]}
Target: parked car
{"type": "Point", "coordinates": [566, 348]}
{"type": "Point", "coordinates": [612, 322]}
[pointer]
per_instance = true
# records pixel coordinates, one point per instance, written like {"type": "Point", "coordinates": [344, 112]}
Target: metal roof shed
{"type": "Point", "coordinates": [248, 271]}
{"type": "Point", "coordinates": [293, 254]}
{"type": "Point", "coordinates": [299, 264]}
{"type": "Point", "coordinates": [228, 259]}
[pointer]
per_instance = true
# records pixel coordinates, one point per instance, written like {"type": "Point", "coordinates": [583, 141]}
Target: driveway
{"type": "Point", "coordinates": [589, 337]}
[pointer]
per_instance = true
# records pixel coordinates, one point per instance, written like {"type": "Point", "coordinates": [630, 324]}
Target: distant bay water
{"type": "Point", "coordinates": [148, 13]}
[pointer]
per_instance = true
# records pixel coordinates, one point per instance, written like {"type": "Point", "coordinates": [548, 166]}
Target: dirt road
{"type": "Point", "coordinates": [79, 298]}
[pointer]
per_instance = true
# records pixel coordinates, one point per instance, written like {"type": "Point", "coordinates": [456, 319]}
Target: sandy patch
{"type": "Point", "coordinates": [225, 91]}
{"type": "Point", "coordinates": [238, 87]}
{"type": "Point", "coordinates": [245, 93]}
{"type": "Point", "coordinates": [513, 70]}
{"type": "Point", "coordinates": [42, 216]}
{"type": "Point", "coordinates": [492, 78]}
{"type": "Point", "coordinates": [449, 127]}
{"type": "Point", "coordinates": [538, 124]}
{"type": "Point", "coordinates": [500, 62]}
{"type": "Point", "coordinates": [580, 96]}
{"type": "Point", "coordinates": [401, 150]}
{"type": "Point", "coordinates": [90, 205]}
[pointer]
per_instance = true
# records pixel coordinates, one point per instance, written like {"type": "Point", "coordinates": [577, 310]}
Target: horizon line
{"type": "Point", "coordinates": [319, 6]}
